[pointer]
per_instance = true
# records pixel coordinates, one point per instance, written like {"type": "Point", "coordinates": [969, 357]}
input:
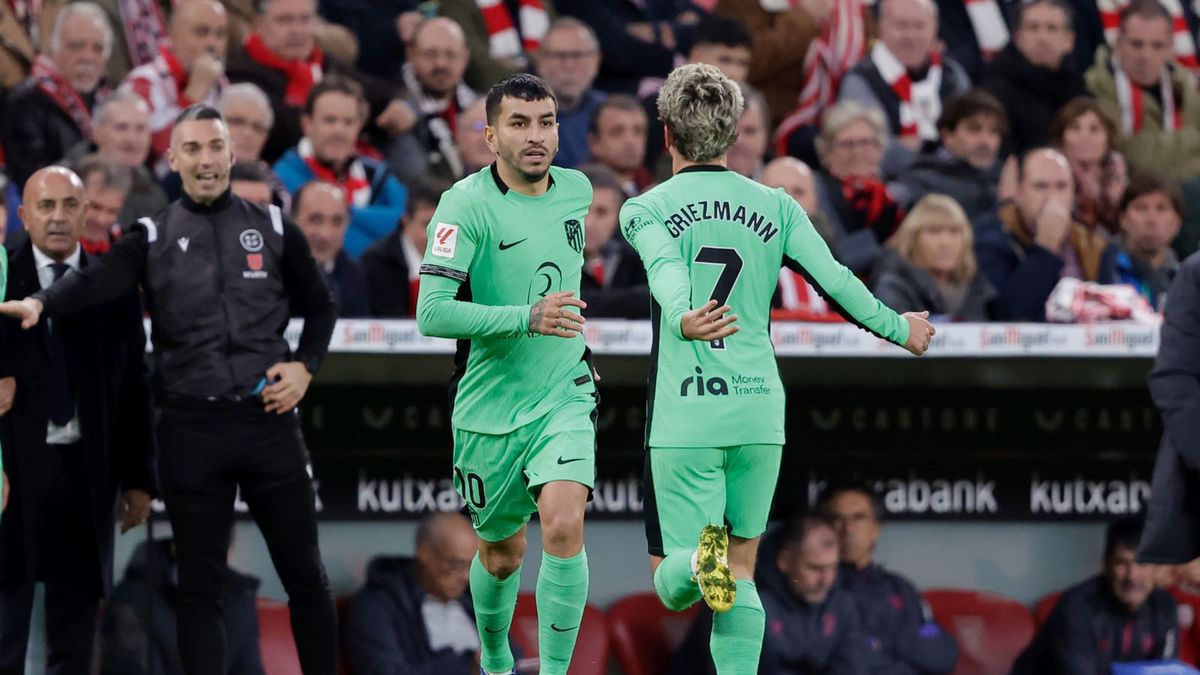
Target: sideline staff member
{"type": "Point", "coordinates": [217, 272]}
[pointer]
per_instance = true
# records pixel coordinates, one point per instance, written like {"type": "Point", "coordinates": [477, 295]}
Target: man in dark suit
{"type": "Point", "coordinates": [77, 434]}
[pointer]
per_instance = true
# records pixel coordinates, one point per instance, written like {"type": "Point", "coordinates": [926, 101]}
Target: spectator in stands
{"type": "Point", "coordinates": [906, 77]}
{"type": "Point", "coordinates": [122, 133]}
{"type": "Point", "coordinates": [106, 183]}
{"type": "Point", "coordinates": [568, 61]}
{"type": "Point", "coordinates": [717, 41]}
{"type": "Point", "coordinates": [393, 264]}
{"type": "Point", "coordinates": [1155, 99]}
{"type": "Point", "coordinates": [320, 211]}
{"type": "Point", "coordinates": [1034, 76]}
{"type": "Point", "coordinates": [415, 614]}
{"type": "Point", "coordinates": [899, 635]}
{"type": "Point", "coordinates": [812, 627]}
{"type": "Point", "coordinates": [472, 145]}
{"type": "Point", "coordinates": [974, 34]}
{"type": "Point", "coordinates": [965, 165]}
{"type": "Point", "coordinates": [931, 266]}
{"type": "Point", "coordinates": [1032, 241]}
{"type": "Point", "coordinates": [1150, 215]}
{"type": "Point", "coordinates": [614, 282]}
{"type": "Point", "coordinates": [23, 26]}
{"type": "Point", "coordinates": [1115, 617]}
{"type": "Point", "coordinates": [283, 58]}
{"type": "Point", "coordinates": [639, 39]}
{"type": "Point", "coordinates": [617, 139]}
{"type": "Point", "coordinates": [51, 111]}
{"type": "Point", "coordinates": [247, 112]}
{"type": "Point", "coordinates": [252, 182]}
{"type": "Point", "coordinates": [502, 36]}
{"type": "Point", "coordinates": [334, 115]}
{"type": "Point", "coordinates": [434, 95]}
{"type": "Point", "coordinates": [1085, 135]}
{"type": "Point", "coordinates": [382, 27]}
{"type": "Point", "coordinates": [862, 212]}
{"type": "Point", "coordinates": [188, 69]}
{"type": "Point", "coordinates": [747, 154]}
{"type": "Point", "coordinates": [138, 626]}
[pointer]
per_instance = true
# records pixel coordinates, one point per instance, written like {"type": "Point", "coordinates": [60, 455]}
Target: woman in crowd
{"type": "Point", "coordinates": [1086, 136]}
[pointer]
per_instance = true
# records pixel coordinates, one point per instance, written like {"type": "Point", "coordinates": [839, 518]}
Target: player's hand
{"type": "Point", "coordinates": [552, 316]}
{"type": "Point", "coordinates": [920, 332]}
{"type": "Point", "coordinates": [289, 382]}
{"type": "Point", "coordinates": [134, 509]}
{"type": "Point", "coordinates": [28, 311]}
{"type": "Point", "coordinates": [8, 393]}
{"type": "Point", "coordinates": [206, 72]}
{"type": "Point", "coordinates": [397, 118]}
{"type": "Point", "coordinates": [708, 323]}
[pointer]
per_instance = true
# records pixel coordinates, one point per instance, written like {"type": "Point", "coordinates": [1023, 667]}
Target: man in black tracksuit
{"type": "Point", "coordinates": [217, 273]}
{"type": "Point", "coordinates": [1114, 617]}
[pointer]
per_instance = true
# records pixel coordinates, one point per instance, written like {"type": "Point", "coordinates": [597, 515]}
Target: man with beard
{"type": "Point", "coordinates": [1115, 617]}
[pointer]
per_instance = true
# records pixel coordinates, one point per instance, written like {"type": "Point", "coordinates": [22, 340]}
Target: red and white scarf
{"type": "Point", "coordinates": [1185, 44]}
{"type": "Point", "coordinates": [54, 85]}
{"type": "Point", "coordinates": [829, 57]}
{"type": "Point", "coordinates": [1132, 101]}
{"type": "Point", "coordinates": [26, 13]}
{"type": "Point", "coordinates": [355, 183]}
{"type": "Point", "coordinates": [302, 75]}
{"type": "Point", "coordinates": [503, 39]}
{"type": "Point", "coordinates": [920, 96]}
{"type": "Point", "coordinates": [145, 29]}
{"type": "Point", "coordinates": [991, 33]}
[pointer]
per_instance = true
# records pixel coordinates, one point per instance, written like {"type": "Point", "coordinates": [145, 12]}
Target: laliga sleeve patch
{"type": "Point", "coordinates": [445, 240]}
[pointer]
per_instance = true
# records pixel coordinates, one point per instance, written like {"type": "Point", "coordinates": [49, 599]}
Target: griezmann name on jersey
{"type": "Point", "coordinates": [733, 235]}
{"type": "Point", "coordinates": [510, 249]}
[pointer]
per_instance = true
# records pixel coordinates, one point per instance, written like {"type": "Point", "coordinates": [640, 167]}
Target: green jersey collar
{"type": "Point", "coordinates": [503, 187]}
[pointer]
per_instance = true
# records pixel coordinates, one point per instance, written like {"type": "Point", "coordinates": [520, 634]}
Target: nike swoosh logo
{"type": "Point", "coordinates": [505, 247]}
{"type": "Point", "coordinates": [556, 629]}
{"type": "Point", "coordinates": [498, 630]}
{"type": "Point", "coordinates": [568, 461]}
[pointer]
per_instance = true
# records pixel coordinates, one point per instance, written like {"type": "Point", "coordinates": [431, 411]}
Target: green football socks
{"type": "Point", "coordinates": [494, 600]}
{"type": "Point", "coordinates": [674, 583]}
{"type": "Point", "coordinates": [737, 635]}
{"type": "Point", "coordinates": [562, 589]}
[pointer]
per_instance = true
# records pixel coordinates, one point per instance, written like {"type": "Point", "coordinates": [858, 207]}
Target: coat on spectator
{"type": "Point", "coordinates": [145, 197]}
{"type": "Point", "coordinates": [905, 287]}
{"type": "Point", "coordinates": [392, 281]}
{"type": "Point", "coordinates": [781, 42]}
{"type": "Point", "coordinates": [1031, 95]}
{"type": "Point", "coordinates": [372, 217]}
{"type": "Point", "coordinates": [627, 59]}
{"type": "Point", "coordinates": [859, 225]}
{"type": "Point", "coordinates": [1172, 532]}
{"type": "Point", "coordinates": [483, 69]}
{"type": "Point", "coordinates": [17, 35]}
{"type": "Point", "coordinates": [348, 284]}
{"type": "Point", "coordinates": [1023, 272]}
{"type": "Point", "coordinates": [1171, 154]}
{"type": "Point", "coordinates": [618, 287]}
{"type": "Point", "coordinates": [942, 172]}
{"type": "Point", "coordinates": [384, 629]}
{"type": "Point", "coordinates": [373, 22]}
{"type": "Point", "coordinates": [1150, 281]}
{"type": "Point", "coordinates": [958, 33]}
{"type": "Point", "coordinates": [138, 626]}
{"type": "Point", "coordinates": [37, 131]}
{"type": "Point", "coordinates": [1089, 630]}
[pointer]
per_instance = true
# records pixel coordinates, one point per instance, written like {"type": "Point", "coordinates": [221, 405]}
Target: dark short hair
{"type": "Point", "coordinates": [720, 30]}
{"type": "Point", "coordinates": [250, 172]}
{"type": "Point", "coordinates": [1060, 5]}
{"type": "Point", "coordinates": [798, 529]}
{"type": "Point", "coordinates": [340, 84]}
{"type": "Point", "coordinates": [1124, 533]}
{"type": "Point", "coordinates": [1073, 110]}
{"type": "Point", "coordinates": [613, 102]}
{"type": "Point", "coordinates": [426, 191]}
{"type": "Point", "coordinates": [836, 490]}
{"type": "Point", "coordinates": [603, 178]}
{"type": "Point", "coordinates": [1144, 183]}
{"type": "Point", "coordinates": [523, 86]}
{"type": "Point", "coordinates": [1145, 9]}
{"type": "Point", "coordinates": [969, 104]}
{"type": "Point", "coordinates": [113, 174]}
{"type": "Point", "coordinates": [199, 111]}
{"type": "Point", "coordinates": [298, 198]}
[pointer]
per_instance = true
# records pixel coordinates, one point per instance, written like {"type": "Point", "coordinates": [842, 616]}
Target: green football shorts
{"type": "Point", "coordinates": [500, 475]}
{"type": "Point", "coordinates": [688, 488]}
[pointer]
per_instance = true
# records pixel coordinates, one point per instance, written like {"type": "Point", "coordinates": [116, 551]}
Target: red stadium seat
{"type": "Point", "coordinates": [591, 650]}
{"type": "Point", "coordinates": [991, 629]}
{"type": "Point", "coordinates": [645, 634]}
{"type": "Point", "coordinates": [1189, 625]}
{"type": "Point", "coordinates": [1041, 611]}
{"type": "Point", "coordinates": [275, 638]}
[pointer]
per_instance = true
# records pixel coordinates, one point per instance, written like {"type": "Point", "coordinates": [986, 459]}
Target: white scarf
{"type": "Point", "coordinates": [1185, 44]}
{"type": "Point", "coordinates": [991, 33]}
{"type": "Point", "coordinates": [920, 102]}
{"type": "Point", "coordinates": [1131, 99]}
{"type": "Point", "coordinates": [431, 109]}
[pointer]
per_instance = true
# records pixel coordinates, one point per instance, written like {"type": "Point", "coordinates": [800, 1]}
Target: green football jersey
{"type": "Point", "coordinates": [508, 250]}
{"type": "Point", "coordinates": [709, 233]}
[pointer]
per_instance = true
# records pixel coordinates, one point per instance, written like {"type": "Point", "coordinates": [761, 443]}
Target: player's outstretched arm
{"type": "Point", "coordinates": [28, 311]}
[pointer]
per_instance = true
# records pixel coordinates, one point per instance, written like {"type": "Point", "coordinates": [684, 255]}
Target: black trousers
{"type": "Point", "coordinates": [68, 564]}
{"type": "Point", "coordinates": [208, 450]}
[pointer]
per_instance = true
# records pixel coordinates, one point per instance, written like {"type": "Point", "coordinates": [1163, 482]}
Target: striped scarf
{"type": "Point", "coordinates": [503, 39]}
{"type": "Point", "coordinates": [991, 33]}
{"type": "Point", "coordinates": [53, 84]}
{"type": "Point", "coordinates": [1132, 101]}
{"type": "Point", "coordinates": [356, 185]}
{"type": "Point", "coordinates": [829, 57]}
{"type": "Point", "coordinates": [1185, 45]}
{"type": "Point", "coordinates": [145, 29]}
{"type": "Point", "coordinates": [896, 75]}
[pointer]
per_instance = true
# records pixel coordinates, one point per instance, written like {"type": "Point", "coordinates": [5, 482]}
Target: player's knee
{"type": "Point", "coordinates": [502, 559]}
{"type": "Point", "coordinates": [562, 531]}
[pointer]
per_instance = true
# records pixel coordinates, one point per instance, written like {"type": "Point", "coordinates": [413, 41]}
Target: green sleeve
{"type": "Point", "coordinates": [835, 282]}
{"type": "Point", "coordinates": [439, 314]}
{"type": "Point", "coordinates": [668, 274]}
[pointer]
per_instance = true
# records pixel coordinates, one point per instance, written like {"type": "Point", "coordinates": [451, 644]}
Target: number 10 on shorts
{"type": "Point", "coordinates": [470, 488]}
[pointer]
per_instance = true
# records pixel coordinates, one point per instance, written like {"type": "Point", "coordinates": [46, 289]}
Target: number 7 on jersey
{"type": "Point", "coordinates": [731, 267]}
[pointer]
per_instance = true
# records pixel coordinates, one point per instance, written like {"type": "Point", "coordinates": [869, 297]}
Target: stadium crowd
{"type": "Point", "coordinates": [971, 159]}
